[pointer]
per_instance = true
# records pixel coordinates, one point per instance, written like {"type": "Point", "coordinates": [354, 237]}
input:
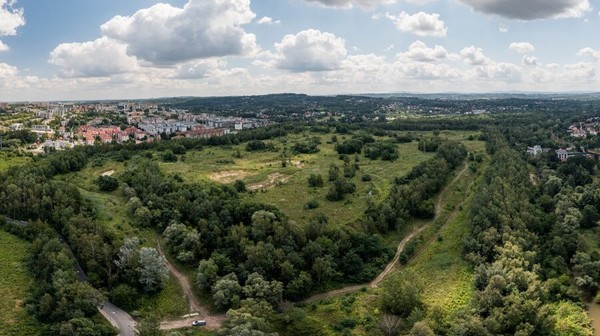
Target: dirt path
{"type": "Point", "coordinates": [392, 264]}
{"type": "Point", "coordinates": [108, 173]}
{"type": "Point", "coordinates": [212, 321]}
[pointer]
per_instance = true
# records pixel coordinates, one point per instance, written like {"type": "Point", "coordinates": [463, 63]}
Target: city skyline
{"type": "Point", "coordinates": [67, 50]}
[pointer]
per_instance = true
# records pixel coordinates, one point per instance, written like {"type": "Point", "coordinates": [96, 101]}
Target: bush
{"type": "Point", "coordinates": [315, 180]}
{"type": "Point", "coordinates": [366, 178]}
{"type": "Point", "coordinates": [107, 183]}
{"type": "Point", "coordinates": [169, 156]}
{"type": "Point", "coordinates": [313, 204]}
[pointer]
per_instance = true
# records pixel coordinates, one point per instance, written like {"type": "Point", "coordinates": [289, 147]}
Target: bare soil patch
{"type": "Point", "coordinates": [108, 173]}
{"type": "Point", "coordinates": [228, 176]}
{"type": "Point", "coordinates": [270, 182]}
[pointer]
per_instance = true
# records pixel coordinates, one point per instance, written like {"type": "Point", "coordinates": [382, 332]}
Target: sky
{"type": "Point", "coordinates": [115, 49]}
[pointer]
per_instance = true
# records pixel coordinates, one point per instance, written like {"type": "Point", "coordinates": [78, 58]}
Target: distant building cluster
{"type": "Point", "coordinates": [584, 129]}
{"type": "Point", "coordinates": [65, 125]}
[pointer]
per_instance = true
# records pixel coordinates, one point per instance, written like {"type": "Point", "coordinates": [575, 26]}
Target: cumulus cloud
{"type": "Point", "coordinates": [100, 58]}
{"type": "Point", "coordinates": [499, 71]}
{"type": "Point", "coordinates": [310, 50]}
{"type": "Point", "coordinates": [589, 52]}
{"type": "Point", "coordinates": [268, 21]}
{"type": "Point", "coordinates": [421, 24]}
{"type": "Point", "coordinates": [167, 35]}
{"type": "Point", "coordinates": [530, 60]}
{"type": "Point", "coordinates": [199, 69]}
{"type": "Point", "coordinates": [420, 52]}
{"type": "Point", "coordinates": [474, 56]}
{"type": "Point", "coordinates": [503, 29]}
{"type": "Point", "coordinates": [3, 47]}
{"type": "Point", "coordinates": [521, 47]}
{"type": "Point", "coordinates": [427, 71]}
{"type": "Point", "coordinates": [10, 18]}
{"type": "Point", "coordinates": [581, 71]}
{"type": "Point", "coordinates": [366, 4]}
{"type": "Point", "coordinates": [531, 9]}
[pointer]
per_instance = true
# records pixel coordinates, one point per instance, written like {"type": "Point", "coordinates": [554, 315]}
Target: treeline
{"type": "Point", "coordinates": [232, 237]}
{"type": "Point", "coordinates": [412, 194]}
{"type": "Point", "coordinates": [59, 299]}
{"type": "Point", "coordinates": [67, 305]}
{"type": "Point", "coordinates": [518, 291]}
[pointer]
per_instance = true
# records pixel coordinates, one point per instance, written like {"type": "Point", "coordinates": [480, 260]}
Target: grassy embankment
{"type": "Point", "coordinates": [14, 285]}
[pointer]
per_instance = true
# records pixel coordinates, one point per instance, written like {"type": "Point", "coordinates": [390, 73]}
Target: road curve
{"type": "Point", "coordinates": [392, 264]}
{"type": "Point", "coordinates": [119, 318]}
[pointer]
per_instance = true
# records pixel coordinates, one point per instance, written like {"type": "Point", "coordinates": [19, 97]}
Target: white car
{"type": "Point", "coordinates": [198, 323]}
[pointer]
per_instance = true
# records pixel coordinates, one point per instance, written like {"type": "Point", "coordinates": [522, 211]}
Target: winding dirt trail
{"type": "Point", "coordinates": [392, 264]}
{"type": "Point", "coordinates": [213, 321]}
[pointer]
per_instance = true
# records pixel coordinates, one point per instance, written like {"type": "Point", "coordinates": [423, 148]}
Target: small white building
{"type": "Point", "coordinates": [535, 150]}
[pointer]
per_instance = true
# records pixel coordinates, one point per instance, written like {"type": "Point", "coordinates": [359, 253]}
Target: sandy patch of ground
{"type": "Point", "coordinates": [270, 182]}
{"type": "Point", "coordinates": [108, 173]}
{"type": "Point", "coordinates": [228, 176]}
{"type": "Point", "coordinates": [534, 179]}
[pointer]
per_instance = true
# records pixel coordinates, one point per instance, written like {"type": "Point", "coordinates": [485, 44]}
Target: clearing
{"type": "Point", "coordinates": [14, 286]}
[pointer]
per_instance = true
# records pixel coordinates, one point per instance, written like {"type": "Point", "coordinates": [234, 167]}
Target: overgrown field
{"type": "Point", "coordinates": [14, 284]}
{"type": "Point", "coordinates": [437, 262]}
{"type": "Point", "coordinates": [8, 160]}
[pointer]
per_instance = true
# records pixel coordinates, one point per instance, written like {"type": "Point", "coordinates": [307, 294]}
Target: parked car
{"type": "Point", "coordinates": [198, 323]}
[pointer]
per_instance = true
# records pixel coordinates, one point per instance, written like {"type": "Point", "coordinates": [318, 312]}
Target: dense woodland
{"type": "Point", "coordinates": [525, 247]}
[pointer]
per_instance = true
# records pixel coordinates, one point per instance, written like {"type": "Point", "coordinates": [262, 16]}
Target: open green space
{"type": "Point", "coordinates": [447, 278]}
{"type": "Point", "coordinates": [8, 160]}
{"type": "Point", "coordinates": [14, 285]}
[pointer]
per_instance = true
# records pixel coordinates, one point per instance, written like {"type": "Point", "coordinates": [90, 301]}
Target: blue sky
{"type": "Point", "coordinates": [73, 49]}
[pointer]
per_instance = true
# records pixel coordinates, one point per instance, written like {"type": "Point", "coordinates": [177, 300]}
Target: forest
{"type": "Point", "coordinates": [531, 247]}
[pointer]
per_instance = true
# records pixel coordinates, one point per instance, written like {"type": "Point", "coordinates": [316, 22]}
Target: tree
{"type": "Point", "coordinates": [258, 288]}
{"type": "Point", "coordinates": [334, 172]}
{"type": "Point", "coordinates": [207, 274]}
{"type": "Point", "coordinates": [226, 292]}
{"type": "Point", "coordinates": [315, 180]}
{"type": "Point", "coordinates": [153, 271]}
{"type": "Point", "coordinates": [389, 325]}
{"type": "Point", "coordinates": [401, 294]}
{"type": "Point", "coordinates": [107, 183]}
{"type": "Point", "coordinates": [149, 327]}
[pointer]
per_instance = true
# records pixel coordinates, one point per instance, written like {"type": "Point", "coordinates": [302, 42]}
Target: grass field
{"type": "Point", "coordinates": [287, 188]}
{"type": "Point", "coordinates": [14, 284]}
{"type": "Point", "coordinates": [9, 160]}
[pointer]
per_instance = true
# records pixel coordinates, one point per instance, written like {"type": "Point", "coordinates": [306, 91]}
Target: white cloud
{"type": "Point", "coordinates": [420, 52]}
{"type": "Point", "coordinates": [503, 29]}
{"type": "Point", "coordinates": [366, 4]}
{"type": "Point", "coordinates": [521, 47]}
{"type": "Point", "coordinates": [388, 48]}
{"type": "Point", "coordinates": [581, 71]}
{"type": "Point", "coordinates": [100, 58]}
{"type": "Point", "coordinates": [427, 71]}
{"type": "Point", "coordinates": [10, 18]}
{"type": "Point", "coordinates": [199, 69]}
{"type": "Point", "coordinates": [531, 9]}
{"type": "Point", "coordinates": [474, 56]}
{"type": "Point", "coordinates": [589, 52]}
{"type": "Point", "coordinates": [310, 50]}
{"type": "Point", "coordinates": [268, 21]}
{"type": "Point", "coordinates": [507, 72]}
{"type": "Point", "coordinates": [167, 35]}
{"type": "Point", "coordinates": [421, 24]}
{"type": "Point", "coordinates": [3, 47]}
{"type": "Point", "coordinates": [530, 60]}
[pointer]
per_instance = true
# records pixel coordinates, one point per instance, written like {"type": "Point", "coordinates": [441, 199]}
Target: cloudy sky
{"type": "Point", "coordinates": [73, 49]}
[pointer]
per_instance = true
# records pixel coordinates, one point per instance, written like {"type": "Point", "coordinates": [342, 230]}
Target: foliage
{"type": "Point", "coordinates": [107, 183]}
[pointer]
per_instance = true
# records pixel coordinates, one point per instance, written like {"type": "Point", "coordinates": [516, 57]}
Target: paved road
{"type": "Point", "coordinates": [118, 318]}
{"type": "Point", "coordinates": [115, 315]}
